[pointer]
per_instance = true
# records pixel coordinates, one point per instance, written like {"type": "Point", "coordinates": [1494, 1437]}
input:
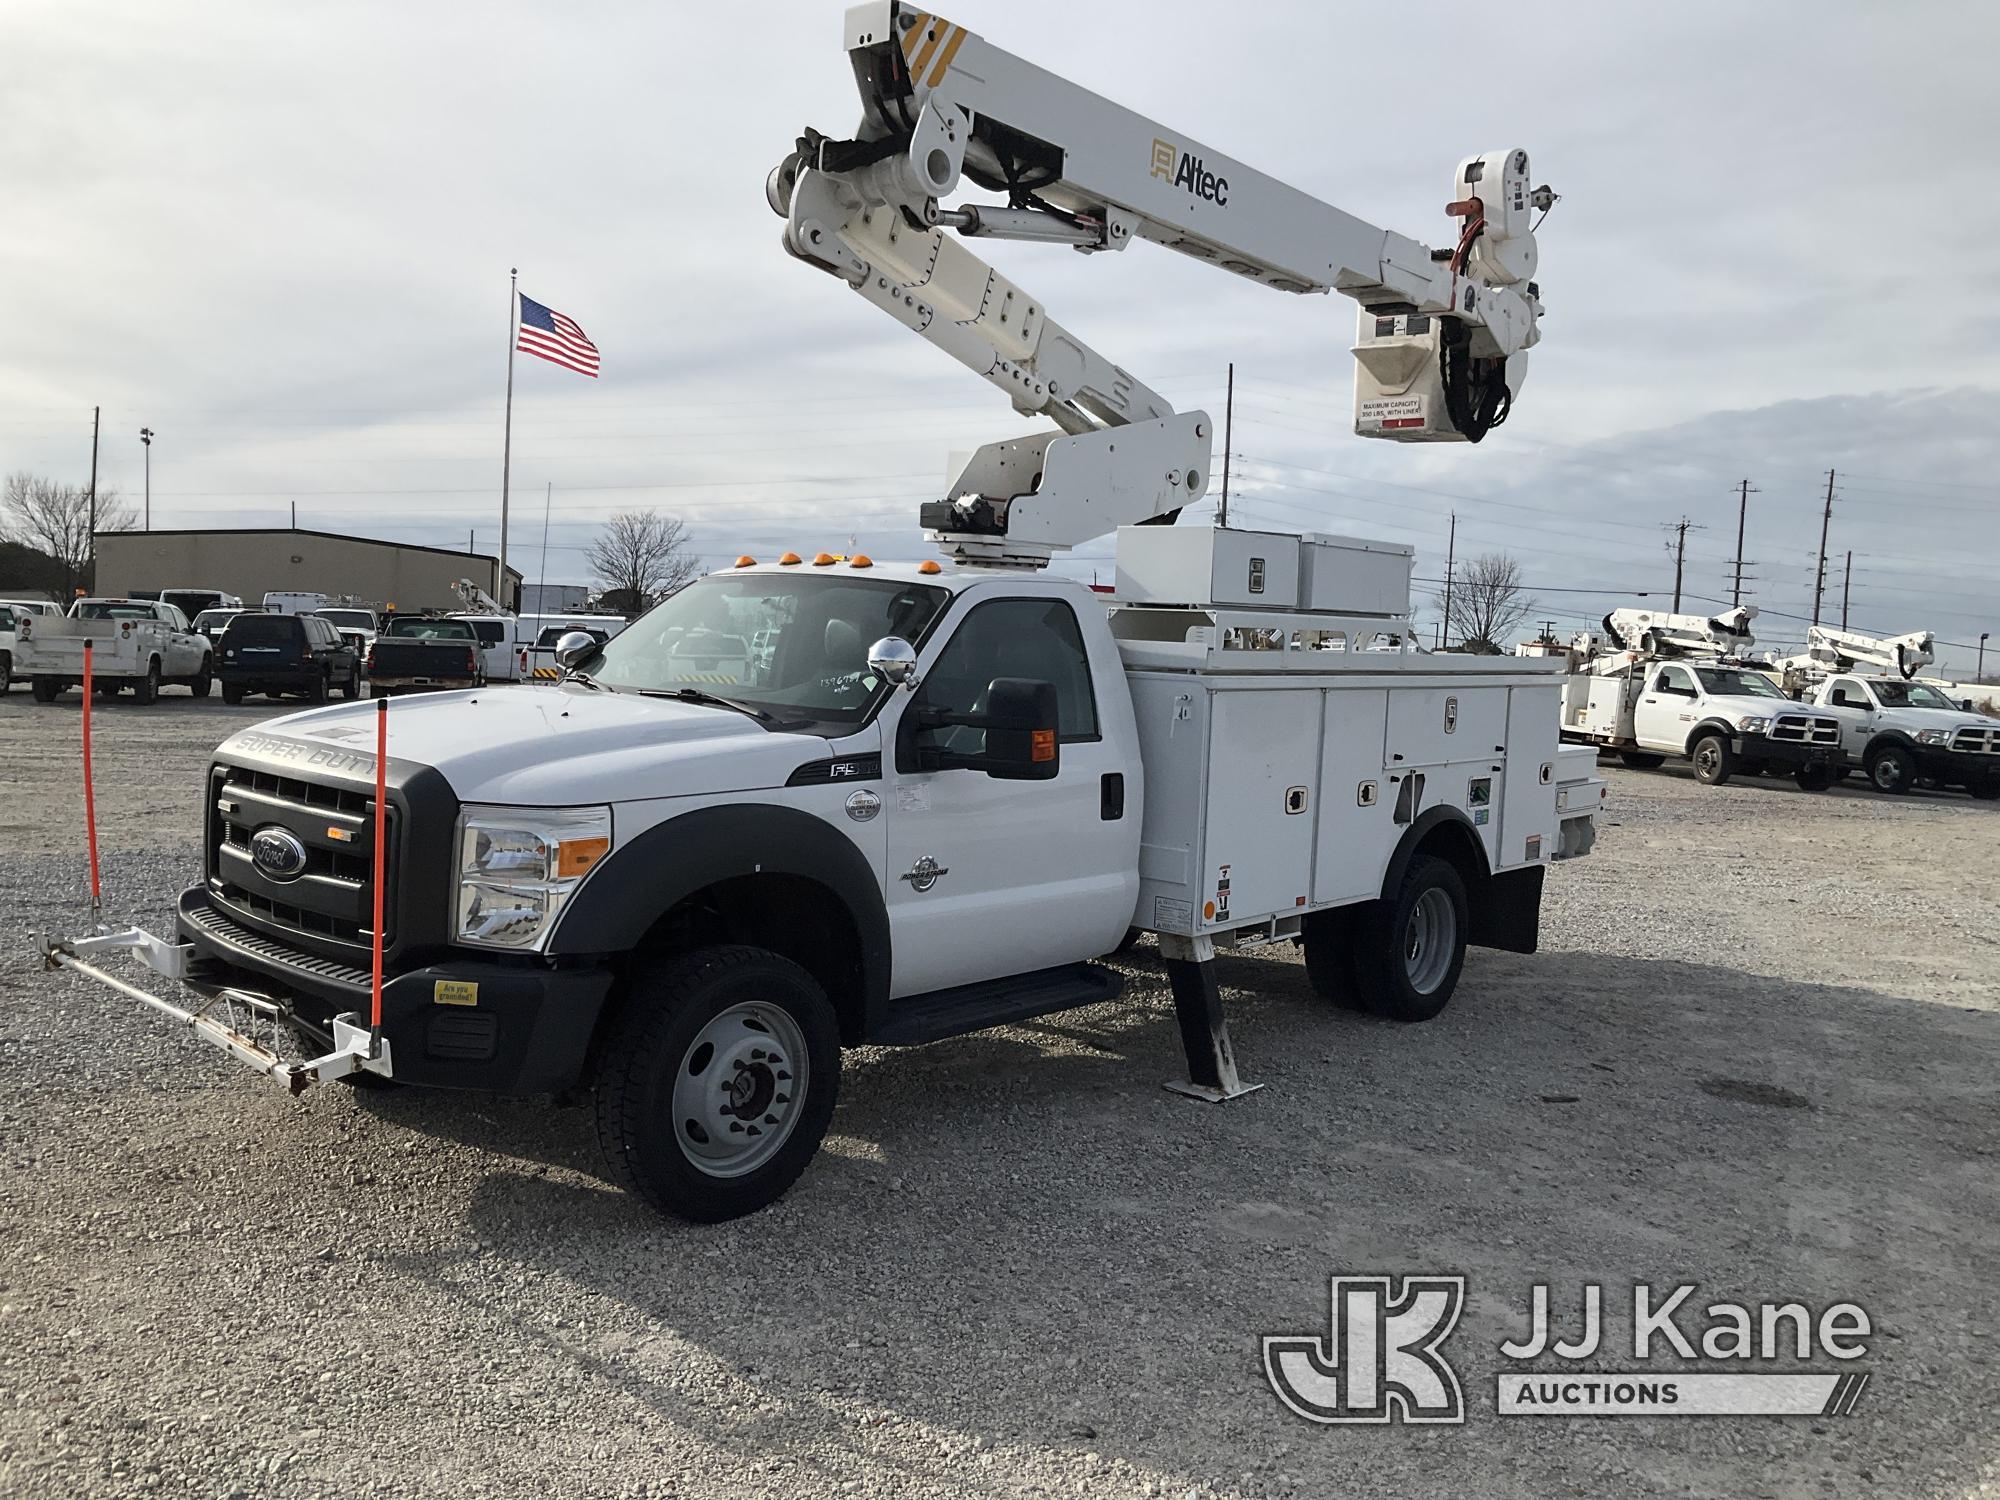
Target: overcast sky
{"type": "Point", "coordinates": [279, 235]}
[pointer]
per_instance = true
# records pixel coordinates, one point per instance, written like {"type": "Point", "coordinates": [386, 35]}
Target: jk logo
{"type": "Point", "coordinates": [1382, 1362]}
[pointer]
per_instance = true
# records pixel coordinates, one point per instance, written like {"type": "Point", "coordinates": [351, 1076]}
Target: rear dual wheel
{"type": "Point", "coordinates": [1399, 957]}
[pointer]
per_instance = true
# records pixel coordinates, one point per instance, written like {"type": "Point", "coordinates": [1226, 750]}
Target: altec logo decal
{"type": "Point", "coordinates": [1184, 170]}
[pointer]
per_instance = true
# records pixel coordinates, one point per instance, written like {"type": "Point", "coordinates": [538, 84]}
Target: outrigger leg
{"type": "Point", "coordinates": [1204, 1029]}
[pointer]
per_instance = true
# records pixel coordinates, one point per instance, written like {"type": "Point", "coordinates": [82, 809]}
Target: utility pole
{"type": "Point", "coordinates": [1450, 561]}
{"type": "Point", "coordinates": [1846, 585]}
{"type": "Point", "coordinates": [295, 515]}
{"type": "Point", "coordinates": [1744, 492]}
{"type": "Point", "coordinates": [1680, 530]}
{"type": "Point", "coordinates": [1228, 437]}
{"type": "Point", "coordinates": [1825, 520]}
{"type": "Point", "coordinates": [95, 413]}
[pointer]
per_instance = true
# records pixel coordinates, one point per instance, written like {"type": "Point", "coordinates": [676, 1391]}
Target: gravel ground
{"type": "Point", "coordinates": [1757, 1052]}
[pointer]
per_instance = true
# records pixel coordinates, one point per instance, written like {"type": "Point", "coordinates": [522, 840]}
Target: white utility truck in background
{"type": "Point", "coordinates": [141, 644]}
{"type": "Point", "coordinates": [1683, 687]}
{"type": "Point", "coordinates": [12, 610]}
{"type": "Point", "coordinates": [800, 805]}
{"type": "Point", "coordinates": [1902, 734]}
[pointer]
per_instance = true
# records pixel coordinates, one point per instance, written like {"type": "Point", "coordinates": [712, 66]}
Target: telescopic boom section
{"type": "Point", "coordinates": [1443, 334]}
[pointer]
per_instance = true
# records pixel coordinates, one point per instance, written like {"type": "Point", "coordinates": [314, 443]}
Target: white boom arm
{"type": "Point", "coordinates": [1443, 339]}
{"type": "Point", "coordinates": [1829, 651]}
{"type": "Point", "coordinates": [1654, 633]}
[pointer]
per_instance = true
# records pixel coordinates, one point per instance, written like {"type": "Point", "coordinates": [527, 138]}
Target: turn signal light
{"type": "Point", "coordinates": [1041, 745]}
{"type": "Point", "coordinates": [746, 562]}
{"type": "Point", "coordinates": [575, 856]}
{"type": "Point", "coordinates": [928, 567]}
{"type": "Point", "coordinates": [789, 560]}
{"type": "Point", "coordinates": [341, 835]}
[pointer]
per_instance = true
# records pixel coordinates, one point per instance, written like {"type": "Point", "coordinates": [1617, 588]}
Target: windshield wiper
{"type": "Point", "coordinates": [572, 674]}
{"type": "Point", "coordinates": [698, 695]}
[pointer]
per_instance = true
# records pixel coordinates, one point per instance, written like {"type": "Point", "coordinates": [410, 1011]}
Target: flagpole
{"type": "Point", "coordinates": [507, 450]}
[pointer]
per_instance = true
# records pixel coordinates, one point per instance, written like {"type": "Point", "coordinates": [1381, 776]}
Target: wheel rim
{"type": "Point", "coordinates": [738, 1090]}
{"type": "Point", "coordinates": [1888, 776]}
{"type": "Point", "coordinates": [1430, 940]}
{"type": "Point", "coordinates": [1707, 758]}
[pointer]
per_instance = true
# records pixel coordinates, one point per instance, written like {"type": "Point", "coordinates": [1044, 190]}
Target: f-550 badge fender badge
{"type": "Point", "coordinates": [925, 873]}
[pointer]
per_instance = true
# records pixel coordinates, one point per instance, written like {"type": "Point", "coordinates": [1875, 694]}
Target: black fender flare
{"type": "Point", "coordinates": [1420, 829]}
{"type": "Point", "coordinates": [1900, 738]}
{"type": "Point", "coordinates": [1702, 730]}
{"type": "Point", "coordinates": [648, 877]}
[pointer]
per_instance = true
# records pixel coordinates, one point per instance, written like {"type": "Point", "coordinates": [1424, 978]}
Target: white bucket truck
{"type": "Point", "coordinates": [801, 806]}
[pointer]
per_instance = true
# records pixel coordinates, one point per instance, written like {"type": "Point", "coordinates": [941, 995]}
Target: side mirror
{"type": "Point", "coordinates": [573, 647]}
{"type": "Point", "coordinates": [894, 659]}
{"type": "Point", "coordinates": [1023, 742]}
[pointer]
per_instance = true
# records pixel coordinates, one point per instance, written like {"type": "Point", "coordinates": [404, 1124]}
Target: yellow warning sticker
{"type": "Point", "coordinates": [456, 992]}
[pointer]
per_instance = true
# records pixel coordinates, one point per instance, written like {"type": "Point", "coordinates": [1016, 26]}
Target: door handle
{"type": "Point", "coordinates": [1111, 797]}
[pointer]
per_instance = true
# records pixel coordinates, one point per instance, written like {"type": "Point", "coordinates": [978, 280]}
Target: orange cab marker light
{"type": "Point", "coordinates": [341, 835]}
{"type": "Point", "coordinates": [789, 560]}
{"type": "Point", "coordinates": [1042, 745]}
{"type": "Point", "coordinates": [575, 856]}
{"type": "Point", "coordinates": [746, 561]}
{"type": "Point", "coordinates": [927, 568]}
{"type": "Point", "coordinates": [825, 560]}
{"type": "Point", "coordinates": [861, 560]}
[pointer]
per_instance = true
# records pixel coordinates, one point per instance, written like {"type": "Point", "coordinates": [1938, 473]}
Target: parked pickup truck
{"type": "Point", "coordinates": [796, 809]}
{"type": "Point", "coordinates": [420, 653]}
{"type": "Point", "coordinates": [137, 643]}
{"type": "Point", "coordinates": [1902, 733]}
{"type": "Point", "coordinates": [1724, 720]}
{"type": "Point", "coordinates": [12, 610]}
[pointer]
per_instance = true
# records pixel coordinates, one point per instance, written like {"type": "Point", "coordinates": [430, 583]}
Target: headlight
{"type": "Point", "coordinates": [1753, 724]}
{"type": "Point", "coordinates": [518, 866]}
{"type": "Point", "coordinates": [1933, 736]}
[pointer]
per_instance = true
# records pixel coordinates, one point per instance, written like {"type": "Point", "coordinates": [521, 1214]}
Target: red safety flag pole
{"type": "Point", "coordinates": [89, 791]}
{"type": "Point", "coordinates": [381, 861]}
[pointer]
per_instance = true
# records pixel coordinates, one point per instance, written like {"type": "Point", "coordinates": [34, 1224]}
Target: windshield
{"type": "Point", "coordinates": [114, 609]}
{"type": "Point", "coordinates": [351, 619]}
{"type": "Point", "coordinates": [431, 630]}
{"type": "Point", "coordinates": [1911, 695]}
{"type": "Point", "coordinates": [1728, 682]}
{"type": "Point", "coordinates": [213, 619]}
{"type": "Point", "coordinates": [794, 645]}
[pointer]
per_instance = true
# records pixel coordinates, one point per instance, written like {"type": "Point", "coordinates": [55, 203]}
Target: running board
{"type": "Point", "coordinates": [996, 1002]}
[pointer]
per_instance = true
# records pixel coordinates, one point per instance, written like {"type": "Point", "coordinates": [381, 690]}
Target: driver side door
{"type": "Point", "coordinates": [989, 877]}
{"type": "Point", "coordinates": [1666, 709]}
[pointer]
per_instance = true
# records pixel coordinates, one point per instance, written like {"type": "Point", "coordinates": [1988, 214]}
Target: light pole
{"type": "Point", "coordinates": [146, 437]}
{"type": "Point", "coordinates": [1979, 673]}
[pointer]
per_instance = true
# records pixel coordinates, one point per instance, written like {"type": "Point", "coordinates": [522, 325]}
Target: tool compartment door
{"type": "Point", "coordinates": [1263, 786]}
{"type": "Point", "coordinates": [1528, 793]}
{"type": "Point", "coordinates": [1440, 726]}
{"type": "Point", "coordinates": [1356, 820]}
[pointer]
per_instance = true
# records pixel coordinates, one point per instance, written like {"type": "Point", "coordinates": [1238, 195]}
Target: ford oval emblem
{"type": "Point", "coordinates": [278, 853]}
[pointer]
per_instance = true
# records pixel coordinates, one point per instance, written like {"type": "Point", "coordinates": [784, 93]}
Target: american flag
{"type": "Point", "coordinates": [555, 338]}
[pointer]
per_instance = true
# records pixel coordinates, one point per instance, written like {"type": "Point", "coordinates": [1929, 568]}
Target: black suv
{"type": "Point", "coordinates": [273, 654]}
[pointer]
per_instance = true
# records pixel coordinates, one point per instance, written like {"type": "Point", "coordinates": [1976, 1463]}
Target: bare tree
{"type": "Point", "coordinates": [642, 555]}
{"type": "Point", "coordinates": [1486, 603]}
{"type": "Point", "coordinates": [55, 519]}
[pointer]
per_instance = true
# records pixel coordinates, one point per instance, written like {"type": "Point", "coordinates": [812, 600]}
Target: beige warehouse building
{"type": "Point", "coordinates": [251, 564]}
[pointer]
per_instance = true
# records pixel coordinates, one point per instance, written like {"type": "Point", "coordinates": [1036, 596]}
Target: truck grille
{"type": "Point", "coordinates": [1802, 729]}
{"type": "Point", "coordinates": [329, 905]}
{"type": "Point", "coordinates": [1977, 741]}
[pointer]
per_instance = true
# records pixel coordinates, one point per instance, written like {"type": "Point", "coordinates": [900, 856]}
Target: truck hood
{"type": "Point", "coordinates": [1732, 706]}
{"type": "Point", "coordinates": [562, 746]}
{"type": "Point", "coordinates": [1951, 719]}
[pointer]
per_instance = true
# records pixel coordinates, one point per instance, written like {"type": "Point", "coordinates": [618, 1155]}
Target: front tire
{"type": "Point", "coordinates": [718, 1084]}
{"type": "Point", "coordinates": [1892, 769]}
{"type": "Point", "coordinates": [1714, 761]}
{"type": "Point", "coordinates": [1409, 949]}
